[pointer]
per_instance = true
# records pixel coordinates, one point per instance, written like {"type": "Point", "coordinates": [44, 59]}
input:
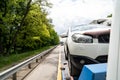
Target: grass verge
{"type": "Point", "coordinates": [8, 61]}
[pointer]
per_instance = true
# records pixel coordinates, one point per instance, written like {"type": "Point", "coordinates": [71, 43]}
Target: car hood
{"type": "Point", "coordinates": [95, 32]}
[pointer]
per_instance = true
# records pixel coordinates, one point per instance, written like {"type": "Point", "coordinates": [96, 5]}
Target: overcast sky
{"type": "Point", "coordinates": [72, 12]}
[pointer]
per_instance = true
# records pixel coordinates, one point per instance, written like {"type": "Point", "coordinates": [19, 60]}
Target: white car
{"type": "Point", "coordinates": [86, 44]}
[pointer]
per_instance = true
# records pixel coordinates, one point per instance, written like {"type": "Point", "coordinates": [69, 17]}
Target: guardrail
{"type": "Point", "coordinates": [13, 70]}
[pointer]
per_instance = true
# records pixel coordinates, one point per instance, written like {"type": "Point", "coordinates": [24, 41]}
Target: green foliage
{"type": "Point", "coordinates": [34, 32]}
{"type": "Point", "coordinates": [8, 61]}
{"type": "Point", "coordinates": [11, 13]}
{"type": "Point", "coordinates": [109, 16]}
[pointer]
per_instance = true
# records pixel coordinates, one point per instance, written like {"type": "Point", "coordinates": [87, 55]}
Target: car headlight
{"type": "Point", "coordinates": [78, 38]}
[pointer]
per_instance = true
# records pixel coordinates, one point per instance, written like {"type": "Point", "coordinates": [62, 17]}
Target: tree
{"type": "Point", "coordinates": [12, 15]}
{"type": "Point", "coordinates": [109, 16]}
{"type": "Point", "coordinates": [24, 25]}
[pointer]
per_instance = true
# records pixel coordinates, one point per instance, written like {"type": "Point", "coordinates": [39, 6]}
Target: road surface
{"type": "Point", "coordinates": [48, 69]}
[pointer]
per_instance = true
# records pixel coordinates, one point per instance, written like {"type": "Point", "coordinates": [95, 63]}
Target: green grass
{"type": "Point", "coordinates": [8, 61]}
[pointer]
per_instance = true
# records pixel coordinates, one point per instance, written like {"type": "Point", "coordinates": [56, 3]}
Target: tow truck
{"type": "Point", "coordinates": [111, 69]}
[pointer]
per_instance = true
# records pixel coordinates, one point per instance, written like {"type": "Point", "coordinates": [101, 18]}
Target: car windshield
{"type": "Point", "coordinates": [86, 27]}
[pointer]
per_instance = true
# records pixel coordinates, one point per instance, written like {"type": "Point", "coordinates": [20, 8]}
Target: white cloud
{"type": "Point", "coordinates": [68, 12]}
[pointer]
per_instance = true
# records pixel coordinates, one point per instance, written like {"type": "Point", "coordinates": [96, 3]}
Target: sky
{"type": "Point", "coordinates": [66, 13]}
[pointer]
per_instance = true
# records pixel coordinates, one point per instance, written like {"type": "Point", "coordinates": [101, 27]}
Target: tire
{"type": "Point", "coordinates": [76, 64]}
{"type": "Point", "coordinates": [72, 69]}
{"type": "Point", "coordinates": [66, 54]}
{"type": "Point", "coordinates": [66, 58]}
{"type": "Point", "coordinates": [102, 58]}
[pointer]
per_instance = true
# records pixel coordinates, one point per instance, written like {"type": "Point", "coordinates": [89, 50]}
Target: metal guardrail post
{"type": "Point", "coordinates": [36, 60]}
{"type": "Point", "coordinates": [41, 57]}
{"type": "Point", "coordinates": [29, 66]}
{"type": "Point", "coordinates": [15, 76]}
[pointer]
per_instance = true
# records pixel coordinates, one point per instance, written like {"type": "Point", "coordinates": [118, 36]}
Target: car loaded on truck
{"type": "Point", "coordinates": [86, 44]}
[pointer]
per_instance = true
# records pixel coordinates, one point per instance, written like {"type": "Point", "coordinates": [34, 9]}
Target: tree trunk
{"type": "Point", "coordinates": [19, 27]}
{"type": "Point", "coordinates": [1, 46]}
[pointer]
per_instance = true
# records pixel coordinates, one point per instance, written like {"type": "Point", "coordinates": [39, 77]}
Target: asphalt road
{"type": "Point", "coordinates": [48, 69]}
